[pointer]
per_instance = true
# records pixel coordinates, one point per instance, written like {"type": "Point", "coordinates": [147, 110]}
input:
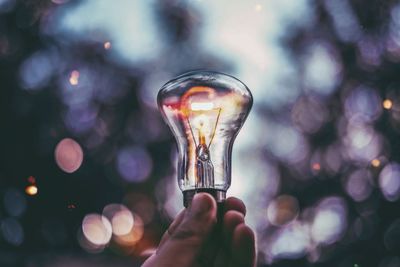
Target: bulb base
{"type": "Point", "coordinates": [218, 195]}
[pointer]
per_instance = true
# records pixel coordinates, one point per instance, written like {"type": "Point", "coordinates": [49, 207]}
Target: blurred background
{"type": "Point", "coordinates": [87, 166]}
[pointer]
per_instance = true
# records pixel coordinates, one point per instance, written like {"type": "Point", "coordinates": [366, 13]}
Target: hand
{"type": "Point", "coordinates": [194, 239]}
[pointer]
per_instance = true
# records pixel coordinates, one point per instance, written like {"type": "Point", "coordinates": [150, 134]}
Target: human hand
{"type": "Point", "coordinates": [191, 240]}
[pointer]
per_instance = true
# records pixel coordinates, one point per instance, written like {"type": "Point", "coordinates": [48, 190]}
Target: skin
{"type": "Point", "coordinates": [196, 239]}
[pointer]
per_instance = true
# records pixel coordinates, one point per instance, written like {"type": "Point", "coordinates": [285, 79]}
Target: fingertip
{"type": "Point", "coordinates": [202, 203]}
{"type": "Point", "coordinates": [233, 203]}
{"type": "Point", "coordinates": [233, 218]}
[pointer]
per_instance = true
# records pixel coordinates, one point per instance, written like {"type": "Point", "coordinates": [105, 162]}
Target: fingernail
{"type": "Point", "coordinates": [201, 203]}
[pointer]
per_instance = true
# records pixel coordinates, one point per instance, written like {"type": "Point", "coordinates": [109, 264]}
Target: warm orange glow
{"type": "Point", "coordinates": [258, 7]}
{"type": "Point", "coordinates": [202, 106]}
{"type": "Point", "coordinates": [133, 236]}
{"type": "Point", "coordinates": [74, 77]}
{"type": "Point", "coordinates": [387, 104]}
{"type": "Point", "coordinates": [107, 45]}
{"type": "Point", "coordinates": [196, 93]}
{"type": "Point", "coordinates": [376, 163]}
{"type": "Point", "coordinates": [31, 190]}
{"type": "Point", "coordinates": [316, 166]}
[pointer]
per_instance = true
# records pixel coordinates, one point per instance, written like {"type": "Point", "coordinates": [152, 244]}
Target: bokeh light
{"type": "Point", "coordinates": [387, 104]}
{"type": "Point", "coordinates": [359, 184]}
{"type": "Point", "coordinates": [363, 104]}
{"type": "Point", "coordinates": [68, 155]}
{"type": "Point", "coordinates": [142, 205]}
{"type": "Point", "coordinates": [97, 231]}
{"type": "Point", "coordinates": [122, 222]}
{"type": "Point", "coordinates": [134, 164]}
{"type": "Point", "coordinates": [322, 69]}
{"type": "Point", "coordinates": [74, 77]}
{"type": "Point", "coordinates": [330, 221]}
{"type": "Point", "coordinates": [37, 70]}
{"type": "Point", "coordinates": [376, 163]}
{"type": "Point", "coordinates": [6, 5]}
{"type": "Point", "coordinates": [389, 181]}
{"type": "Point", "coordinates": [282, 210]}
{"type": "Point", "coordinates": [107, 45]}
{"type": "Point", "coordinates": [131, 238]}
{"type": "Point", "coordinates": [31, 190]}
{"type": "Point", "coordinates": [12, 231]}
{"type": "Point", "coordinates": [120, 217]}
{"type": "Point", "coordinates": [14, 202]}
{"type": "Point", "coordinates": [291, 242]}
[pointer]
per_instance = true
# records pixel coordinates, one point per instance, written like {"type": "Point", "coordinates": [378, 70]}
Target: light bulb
{"type": "Point", "coordinates": [205, 111]}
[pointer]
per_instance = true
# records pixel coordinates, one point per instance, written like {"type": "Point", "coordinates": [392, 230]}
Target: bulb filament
{"type": "Point", "coordinates": [204, 166]}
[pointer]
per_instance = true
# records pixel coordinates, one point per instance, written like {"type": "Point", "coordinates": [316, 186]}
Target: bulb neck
{"type": "Point", "coordinates": [218, 195]}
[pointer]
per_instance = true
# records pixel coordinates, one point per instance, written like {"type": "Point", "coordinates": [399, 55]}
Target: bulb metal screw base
{"type": "Point", "coordinates": [218, 195]}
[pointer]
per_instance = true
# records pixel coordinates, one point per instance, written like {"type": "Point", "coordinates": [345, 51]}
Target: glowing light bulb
{"type": "Point", "coordinates": [205, 111]}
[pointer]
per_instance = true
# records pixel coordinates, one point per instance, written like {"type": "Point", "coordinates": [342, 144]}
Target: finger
{"type": "Point", "coordinates": [184, 245]}
{"type": "Point", "coordinates": [232, 219]}
{"type": "Point", "coordinates": [243, 247]}
{"type": "Point", "coordinates": [171, 229]}
{"type": "Point", "coordinates": [233, 203]}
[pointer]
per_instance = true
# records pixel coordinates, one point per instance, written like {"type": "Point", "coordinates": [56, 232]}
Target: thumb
{"type": "Point", "coordinates": [186, 241]}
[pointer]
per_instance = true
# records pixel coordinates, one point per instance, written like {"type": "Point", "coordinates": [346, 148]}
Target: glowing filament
{"type": "Point", "coordinates": [202, 106]}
